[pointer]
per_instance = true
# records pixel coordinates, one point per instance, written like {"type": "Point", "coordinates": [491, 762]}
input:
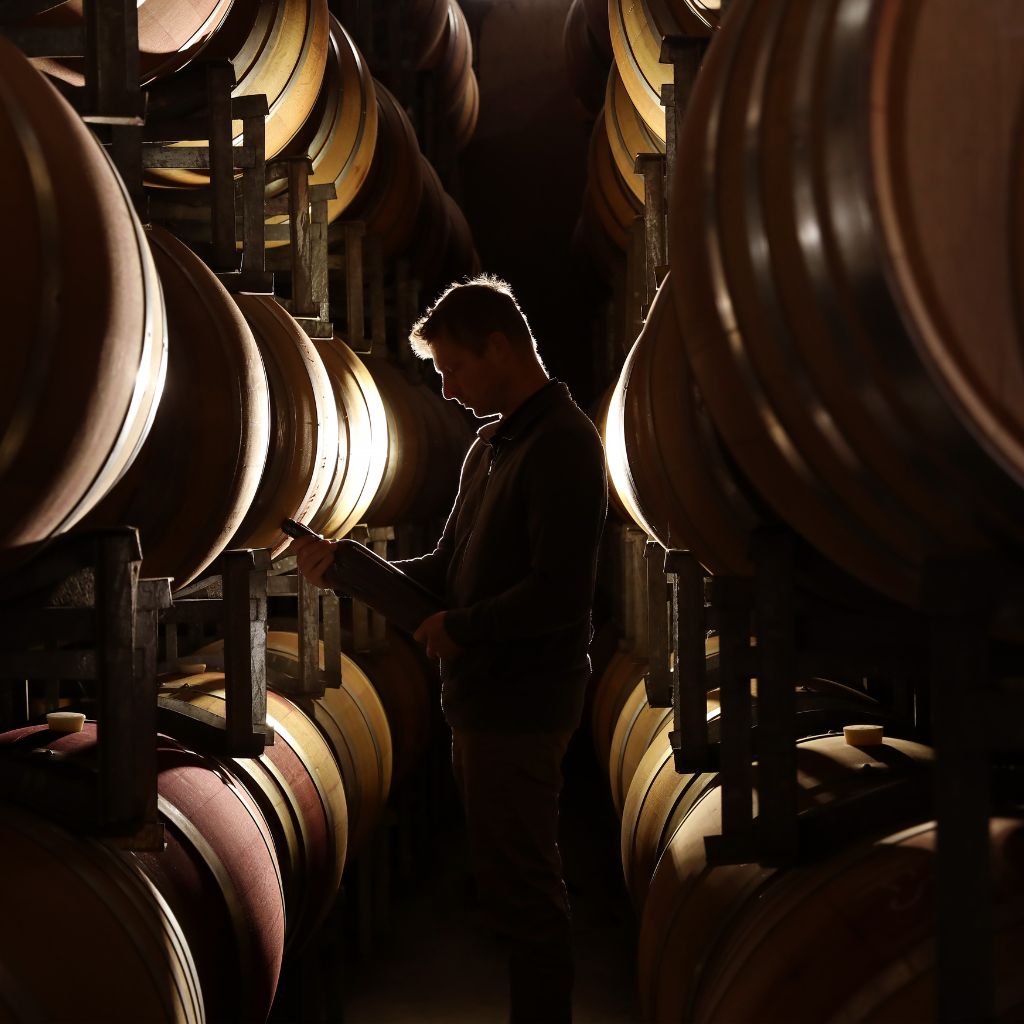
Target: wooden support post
{"type": "Point", "coordinates": [685, 54]}
{"type": "Point", "coordinates": [777, 790]}
{"type": "Point", "coordinates": [309, 683]}
{"type": "Point", "coordinates": [299, 170]}
{"type": "Point", "coordinates": [125, 712]}
{"type": "Point", "coordinates": [245, 650]}
{"type": "Point", "coordinates": [959, 665]}
{"type": "Point", "coordinates": [254, 184]}
{"type": "Point", "coordinates": [220, 77]}
{"type": "Point", "coordinates": [658, 681]}
{"type": "Point", "coordinates": [112, 61]}
{"type": "Point", "coordinates": [354, 232]}
{"type": "Point", "coordinates": [732, 598]}
{"type": "Point", "coordinates": [689, 672]}
{"type": "Point", "coordinates": [636, 305]}
{"type": "Point", "coordinates": [319, 283]}
{"type": "Point", "coordinates": [652, 167]}
{"type": "Point", "coordinates": [331, 607]}
{"type": "Point", "coordinates": [635, 591]}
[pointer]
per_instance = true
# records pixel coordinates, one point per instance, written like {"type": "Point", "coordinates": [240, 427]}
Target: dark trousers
{"type": "Point", "coordinates": [510, 784]}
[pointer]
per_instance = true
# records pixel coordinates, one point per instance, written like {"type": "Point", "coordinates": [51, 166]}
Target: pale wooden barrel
{"type": "Point", "coordinates": [865, 376]}
{"type": "Point", "coordinates": [637, 29]}
{"type": "Point", "coordinates": [304, 447]}
{"type": "Point", "coordinates": [83, 375]}
{"type": "Point", "coordinates": [610, 694]}
{"type": "Point", "coordinates": [427, 443]}
{"type": "Point", "coordinates": [109, 913]}
{"type": "Point", "coordinates": [340, 134]}
{"type": "Point", "coordinates": [628, 134]}
{"type": "Point", "coordinates": [636, 728]}
{"type": "Point", "coordinates": [853, 938]}
{"type": "Point", "coordinates": [688, 900]}
{"type": "Point", "coordinates": [355, 725]}
{"type": "Point", "coordinates": [278, 48]}
{"type": "Point", "coordinates": [199, 469]}
{"type": "Point", "coordinates": [390, 195]}
{"type": "Point", "coordinates": [298, 787]}
{"type": "Point", "coordinates": [363, 440]}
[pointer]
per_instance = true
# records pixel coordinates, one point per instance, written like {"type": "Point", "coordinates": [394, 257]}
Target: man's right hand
{"type": "Point", "coordinates": [315, 557]}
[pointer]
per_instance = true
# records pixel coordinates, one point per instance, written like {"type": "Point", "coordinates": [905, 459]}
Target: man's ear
{"type": "Point", "coordinates": [498, 345]}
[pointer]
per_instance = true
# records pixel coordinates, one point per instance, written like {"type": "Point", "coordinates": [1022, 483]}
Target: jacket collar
{"type": "Point", "coordinates": [507, 428]}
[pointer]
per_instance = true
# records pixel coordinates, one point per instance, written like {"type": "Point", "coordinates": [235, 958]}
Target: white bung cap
{"type": "Point", "coordinates": [65, 721]}
{"type": "Point", "coordinates": [863, 735]}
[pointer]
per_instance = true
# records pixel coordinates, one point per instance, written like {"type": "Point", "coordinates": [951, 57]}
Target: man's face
{"type": "Point", "coordinates": [474, 381]}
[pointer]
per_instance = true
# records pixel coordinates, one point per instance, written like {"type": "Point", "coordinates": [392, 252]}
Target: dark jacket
{"type": "Point", "coordinates": [517, 563]}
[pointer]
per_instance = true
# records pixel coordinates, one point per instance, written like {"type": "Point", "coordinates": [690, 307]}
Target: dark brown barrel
{"type": "Point", "coordinates": [853, 938]}
{"type": "Point", "coordinates": [433, 231]}
{"type": "Point", "coordinates": [340, 134]}
{"type": "Point", "coordinates": [85, 344]}
{"type": "Point", "coordinates": [353, 721]}
{"type": "Point", "coordinates": [427, 443]}
{"type": "Point", "coordinates": [637, 29]}
{"type": "Point", "coordinates": [362, 440]}
{"type": "Point", "coordinates": [218, 872]}
{"type": "Point", "coordinates": [278, 48]}
{"type": "Point", "coordinates": [611, 199]}
{"type": "Point", "coordinates": [866, 387]}
{"type": "Point", "coordinates": [390, 197]}
{"type": "Point", "coordinates": [170, 35]}
{"type": "Point", "coordinates": [302, 460]}
{"type": "Point", "coordinates": [628, 134]}
{"type": "Point", "coordinates": [109, 914]}
{"type": "Point", "coordinates": [456, 90]}
{"type": "Point", "coordinates": [688, 900]}
{"type": "Point", "coordinates": [665, 462]}
{"type": "Point", "coordinates": [298, 787]}
{"type": "Point", "coordinates": [197, 474]}
{"type": "Point", "coordinates": [585, 62]}
{"type": "Point", "coordinates": [408, 687]}
{"type": "Point", "coordinates": [427, 20]}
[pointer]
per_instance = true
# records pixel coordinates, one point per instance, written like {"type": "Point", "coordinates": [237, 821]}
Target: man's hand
{"type": "Point", "coordinates": [435, 638]}
{"type": "Point", "coordinates": [315, 557]}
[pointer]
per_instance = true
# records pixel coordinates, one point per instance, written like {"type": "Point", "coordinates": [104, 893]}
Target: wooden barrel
{"type": "Point", "coordinates": [689, 901]}
{"type": "Point", "coordinates": [340, 134]}
{"type": "Point", "coordinates": [278, 48]}
{"type": "Point", "coordinates": [298, 787]}
{"type": "Point", "coordinates": [112, 919]}
{"type": "Point", "coordinates": [658, 798]}
{"type": "Point", "coordinates": [456, 90]}
{"type": "Point", "coordinates": [85, 349]}
{"type": "Point", "coordinates": [636, 728]}
{"type": "Point", "coordinates": [616, 506]}
{"type": "Point", "coordinates": [585, 62]}
{"type": "Point", "coordinates": [408, 687]}
{"type": "Point", "coordinates": [628, 134]}
{"type": "Point", "coordinates": [218, 872]}
{"type": "Point", "coordinates": [611, 199]}
{"type": "Point", "coordinates": [426, 21]}
{"type": "Point", "coordinates": [427, 443]}
{"type": "Point", "coordinates": [611, 692]}
{"type": "Point", "coordinates": [868, 389]}
{"type": "Point", "coordinates": [170, 35]}
{"type": "Point", "coordinates": [433, 231]}
{"type": "Point", "coordinates": [363, 440]}
{"type": "Point", "coordinates": [637, 30]}
{"type": "Point", "coordinates": [390, 197]}
{"type": "Point", "coordinates": [665, 462]}
{"type": "Point", "coordinates": [353, 721]}
{"type": "Point", "coordinates": [198, 471]}
{"type": "Point", "coordinates": [853, 938]}
{"type": "Point", "coordinates": [302, 461]}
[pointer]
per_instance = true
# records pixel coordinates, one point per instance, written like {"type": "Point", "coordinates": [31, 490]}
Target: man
{"type": "Point", "coordinates": [516, 563]}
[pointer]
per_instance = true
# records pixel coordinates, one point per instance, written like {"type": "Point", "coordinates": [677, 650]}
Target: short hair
{"type": "Point", "coordinates": [467, 312]}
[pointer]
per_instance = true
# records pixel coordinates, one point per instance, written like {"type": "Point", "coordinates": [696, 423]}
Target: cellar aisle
{"type": "Point", "coordinates": [437, 965]}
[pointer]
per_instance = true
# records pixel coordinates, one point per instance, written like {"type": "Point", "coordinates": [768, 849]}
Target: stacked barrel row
{"type": "Point", "coordinates": [141, 392]}
{"type": "Point", "coordinates": [254, 855]}
{"type": "Point", "coordinates": [747, 942]}
{"type": "Point", "coordinates": [816, 356]}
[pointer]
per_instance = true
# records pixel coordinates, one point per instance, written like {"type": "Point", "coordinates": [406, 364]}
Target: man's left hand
{"type": "Point", "coordinates": [435, 638]}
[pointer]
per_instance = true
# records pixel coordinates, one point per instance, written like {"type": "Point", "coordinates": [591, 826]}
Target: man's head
{"type": "Point", "coordinates": [481, 345]}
